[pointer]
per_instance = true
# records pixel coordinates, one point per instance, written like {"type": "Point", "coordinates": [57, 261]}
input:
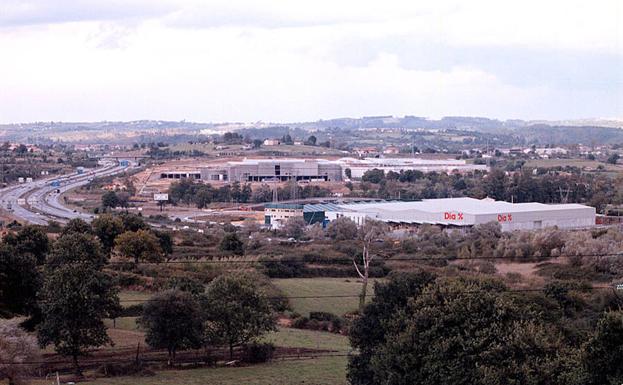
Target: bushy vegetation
{"type": "Point", "coordinates": [424, 329]}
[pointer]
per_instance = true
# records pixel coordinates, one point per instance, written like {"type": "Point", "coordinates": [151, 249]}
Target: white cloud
{"type": "Point", "coordinates": [274, 60]}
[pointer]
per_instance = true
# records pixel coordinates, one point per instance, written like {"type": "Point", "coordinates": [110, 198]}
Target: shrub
{"type": "Point", "coordinates": [135, 310]}
{"type": "Point", "coordinates": [129, 369]}
{"type": "Point", "coordinates": [255, 352]}
{"type": "Point", "coordinates": [300, 323]}
{"type": "Point", "coordinates": [289, 268]}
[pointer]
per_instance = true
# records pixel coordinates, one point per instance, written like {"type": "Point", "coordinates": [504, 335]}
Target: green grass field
{"type": "Point", "coordinates": [581, 163]}
{"type": "Point", "coordinates": [298, 287]}
{"type": "Point", "coordinates": [129, 298]}
{"type": "Point", "coordinates": [321, 371]}
{"type": "Point", "coordinates": [297, 338]}
{"type": "Point", "coordinates": [318, 371]}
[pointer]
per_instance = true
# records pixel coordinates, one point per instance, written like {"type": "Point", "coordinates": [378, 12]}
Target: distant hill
{"type": "Point", "coordinates": [498, 132]}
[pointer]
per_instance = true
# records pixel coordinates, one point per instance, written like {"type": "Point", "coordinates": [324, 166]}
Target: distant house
{"type": "Point", "coordinates": [361, 151]}
{"type": "Point", "coordinates": [272, 142]}
{"type": "Point", "coordinates": [298, 143]}
{"type": "Point", "coordinates": [551, 151]}
{"type": "Point", "coordinates": [393, 150]}
{"type": "Point", "coordinates": [512, 151]}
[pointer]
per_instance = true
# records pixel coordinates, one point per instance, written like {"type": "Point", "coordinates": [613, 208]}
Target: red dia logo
{"type": "Point", "coordinates": [453, 216]}
{"type": "Point", "coordinates": [505, 217]}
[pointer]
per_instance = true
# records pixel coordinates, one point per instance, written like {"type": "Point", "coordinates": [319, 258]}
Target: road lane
{"type": "Point", "coordinates": [42, 201]}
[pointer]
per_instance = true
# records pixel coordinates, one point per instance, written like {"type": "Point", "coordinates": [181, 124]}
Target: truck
{"type": "Point", "coordinates": [56, 183]}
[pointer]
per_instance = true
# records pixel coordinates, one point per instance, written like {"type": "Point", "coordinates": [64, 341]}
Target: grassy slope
{"type": "Point", "coordinates": [319, 287]}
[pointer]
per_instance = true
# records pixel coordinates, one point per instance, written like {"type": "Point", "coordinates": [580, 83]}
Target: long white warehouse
{"type": "Point", "coordinates": [469, 212]}
{"type": "Point", "coordinates": [358, 167]}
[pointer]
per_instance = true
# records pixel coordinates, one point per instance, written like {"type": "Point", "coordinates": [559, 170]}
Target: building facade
{"type": "Point", "coordinates": [462, 212]}
{"type": "Point", "coordinates": [261, 170]}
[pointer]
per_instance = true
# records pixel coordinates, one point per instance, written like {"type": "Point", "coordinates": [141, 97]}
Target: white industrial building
{"type": "Point", "coordinates": [358, 167]}
{"type": "Point", "coordinates": [462, 212]}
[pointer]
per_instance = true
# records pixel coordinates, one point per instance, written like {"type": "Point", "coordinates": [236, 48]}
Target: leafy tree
{"type": "Point", "coordinates": [19, 282]}
{"type": "Point", "coordinates": [17, 350]}
{"type": "Point", "coordinates": [172, 321]}
{"type": "Point", "coordinates": [287, 139]}
{"type": "Point", "coordinates": [369, 331]}
{"type": "Point", "coordinates": [458, 331]}
{"type": "Point", "coordinates": [495, 184]}
{"type": "Point", "coordinates": [312, 140]}
{"type": "Point", "coordinates": [107, 227]}
{"type": "Point", "coordinates": [603, 353]}
{"type": "Point", "coordinates": [613, 159]}
{"type": "Point", "coordinates": [245, 194]}
{"type": "Point", "coordinates": [76, 247]}
{"type": "Point", "coordinates": [75, 299]}
{"type": "Point", "coordinates": [342, 229]}
{"type": "Point", "coordinates": [236, 311]}
{"type": "Point", "coordinates": [185, 284]}
{"type": "Point", "coordinates": [110, 199]}
{"type": "Point", "coordinates": [373, 176]}
{"type": "Point", "coordinates": [141, 245]}
{"type": "Point", "coordinates": [348, 172]}
{"type": "Point", "coordinates": [77, 225]}
{"type": "Point", "coordinates": [133, 222]}
{"type": "Point", "coordinates": [295, 227]}
{"type": "Point", "coordinates": [30, 240]}
{"type": "Point", "coordinates": [232, 244]}
{"type": "Point", "coordinates": [123, 199]}
{"type": "Point", "coordinates": [165, 241]}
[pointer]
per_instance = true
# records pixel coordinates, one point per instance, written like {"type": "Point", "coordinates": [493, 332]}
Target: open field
{"type": "Point", "coordinates": [580, 163]}
{"type": "Point", "coordinates": [298, 287]}
{"type": "Point", "coordinates": [298, 338]}
{"type": "Point", "coordinates": [210, 149]}
{"type": "Point", "coordinates": [135, 297]}
{"type": "Point", "coordinates": [318, 371]}
{"type": "Point", "coordinates": [321, 370]}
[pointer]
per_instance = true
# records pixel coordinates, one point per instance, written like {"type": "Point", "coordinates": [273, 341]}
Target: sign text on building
{"type": "Point", "coordinates": [505, 217]}
{"type": "Point", "coordinates": [453, 216]}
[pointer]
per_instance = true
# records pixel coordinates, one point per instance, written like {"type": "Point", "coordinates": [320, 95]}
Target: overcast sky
{"type": "Point", "coordinates": [296, 60]}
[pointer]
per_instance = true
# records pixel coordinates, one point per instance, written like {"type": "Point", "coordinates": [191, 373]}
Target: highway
{"type": "Point", "coordinates": [41, 200]}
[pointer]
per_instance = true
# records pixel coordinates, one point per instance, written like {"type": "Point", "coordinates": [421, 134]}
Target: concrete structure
{"type": "Point", "coordinates": [180, 175]}
{"type": "Point", "coordinates": [272, 142]}
{"type": "Point", "coordinates": [391, 150]}
{"type": "Point", "coordinates": [461, 212]}
{"type": "Point", "coordinates": [259, 170]}
{"type": "Point", "coordinates": [284, 169]}
{"type": "Point", "coordinates": [277, 214]}
{"type": "Point", "coordinates": [359, 166]}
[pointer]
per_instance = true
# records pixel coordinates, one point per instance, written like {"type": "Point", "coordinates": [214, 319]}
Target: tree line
{"type": "Point", "coordinates": [544, 186]}
{"type": "Point", "coordinates": [190, 192]}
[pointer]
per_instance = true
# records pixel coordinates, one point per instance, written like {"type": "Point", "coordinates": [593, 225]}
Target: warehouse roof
{"type": "Point", "coordinates": [466, 205]}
